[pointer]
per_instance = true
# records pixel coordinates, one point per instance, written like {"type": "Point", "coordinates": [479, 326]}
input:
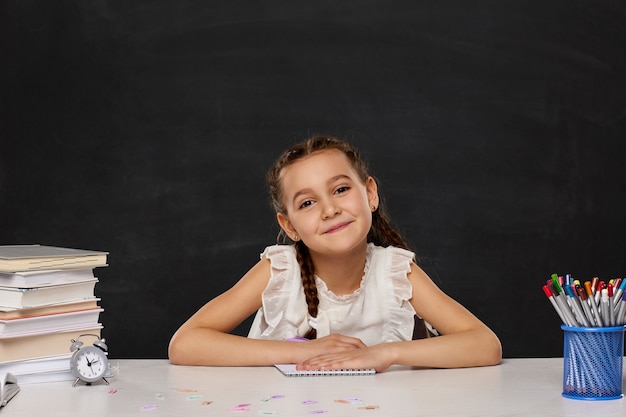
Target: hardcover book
{"type": "Point", "coordinates": [16, 258]}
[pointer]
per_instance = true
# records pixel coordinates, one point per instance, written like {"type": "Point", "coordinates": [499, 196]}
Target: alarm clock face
{"type": "Point", "coordinates": [90, 364]}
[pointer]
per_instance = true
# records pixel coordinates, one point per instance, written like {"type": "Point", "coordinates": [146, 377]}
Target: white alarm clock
{"type": "Point", "coordinates": [90, 363]}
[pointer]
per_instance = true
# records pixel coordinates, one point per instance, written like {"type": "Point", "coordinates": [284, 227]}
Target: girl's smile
{"type": "Point", "coordinates": [338, 227]}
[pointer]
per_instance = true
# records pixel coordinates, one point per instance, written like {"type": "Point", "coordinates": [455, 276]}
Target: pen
{"type": "Point", "coordinates": [556, 283]}
{"type": "Point", "coordinates": [548, 293]}
{"type": "Point", "coordinates": [559, 297]}
{"type": "Point", "coordinates": [297, 339]}
{"type": "Point", "coordinates": [611, 311]}
{"type": "Point", "coordinates": [592, 301]}
{"type": "Point", "coordinates": [619, 292]}
{"type": "Point", "coordinates": [568, 279]}
{"type": "Point", "coordinates": [575, 303]}
{"type": "Point", "coordinates": [604, 307]}
{"type": "Point", "coordinates": [594, 285]}
{"type": "Point", "coordinates": [620, 319]}
{"type": "Point", "coordinates": [583, 300]}
{"type": "Point", "coordinates": [599, 289]}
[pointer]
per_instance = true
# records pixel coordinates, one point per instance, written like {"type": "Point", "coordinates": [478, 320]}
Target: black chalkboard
{"type": "Point", "coordinates": [144, 128]}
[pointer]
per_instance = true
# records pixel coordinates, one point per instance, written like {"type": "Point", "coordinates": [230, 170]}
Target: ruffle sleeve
{"type": "Point", "coordinates": [399, 268]}
{"type": "Point", "coordinates": [278, 318]}
{"type": "Point", "coordinates": [400, 319]}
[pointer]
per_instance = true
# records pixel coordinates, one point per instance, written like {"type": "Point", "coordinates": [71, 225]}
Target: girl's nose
{"type": "Point", "coordinates": [330, 209]}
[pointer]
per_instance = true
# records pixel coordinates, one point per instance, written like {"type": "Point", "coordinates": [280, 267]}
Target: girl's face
{"type": "Point", "coordinates": [327, 205]}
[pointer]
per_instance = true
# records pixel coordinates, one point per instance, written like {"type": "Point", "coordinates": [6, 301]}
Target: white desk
{"type": "Point", "coordinates": [517, 387]}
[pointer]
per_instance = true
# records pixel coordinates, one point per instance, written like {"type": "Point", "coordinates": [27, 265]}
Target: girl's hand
{"type": "Point", "coordinates": [376, 357]}
{"type": "Point", "coordinates": [331, 344]}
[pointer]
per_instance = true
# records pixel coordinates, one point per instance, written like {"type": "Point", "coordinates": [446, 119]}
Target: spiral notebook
{"type": "Point", "coordinates": [290, 370]}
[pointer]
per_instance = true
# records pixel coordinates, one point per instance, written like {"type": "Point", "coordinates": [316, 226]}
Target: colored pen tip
{"type": "Point", "coordinates": [547, 291]}
{"type": "Point", "coordinates": [605, 294]}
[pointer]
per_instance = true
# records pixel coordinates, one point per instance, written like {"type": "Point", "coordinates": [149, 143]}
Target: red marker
{"type": "Point", "coordinates": [548, 292]}
{"type": "Point", "coordinates": [599, 289]}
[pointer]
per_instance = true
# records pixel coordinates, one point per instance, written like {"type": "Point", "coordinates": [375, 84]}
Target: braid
{"type": "Point", "coordinates": [308, 282]}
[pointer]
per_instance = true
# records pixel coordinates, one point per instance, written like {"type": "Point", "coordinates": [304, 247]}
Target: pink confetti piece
{"type": "Point", "coordinates": [243, 405]}
{"type": "Point", "coordinates": [149, 407]}
{"type": "Point", "coordinates": [112, 390]}
{"type": "Point", "coordinates": [238, 409]}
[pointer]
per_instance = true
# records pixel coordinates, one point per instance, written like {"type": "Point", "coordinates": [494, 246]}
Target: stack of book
{"type": "Point", "coordinates": [47, 299]}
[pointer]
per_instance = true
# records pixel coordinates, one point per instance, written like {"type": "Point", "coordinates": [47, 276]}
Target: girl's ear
{"type": "Point", "coordinates": [371, 188]}
{"type": "Point", "coordinates": [286, 225]}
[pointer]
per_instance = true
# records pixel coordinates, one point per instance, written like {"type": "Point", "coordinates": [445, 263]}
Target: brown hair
{"type": "Point", "coordinates": [382, 233]}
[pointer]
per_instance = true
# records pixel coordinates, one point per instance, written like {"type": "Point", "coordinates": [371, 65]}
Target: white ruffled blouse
{"type": "Point", "coordinates": [378, 311]}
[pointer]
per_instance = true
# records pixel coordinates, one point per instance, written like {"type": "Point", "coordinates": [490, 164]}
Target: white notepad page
{"type": "Point", "coordinates": [290, 370]}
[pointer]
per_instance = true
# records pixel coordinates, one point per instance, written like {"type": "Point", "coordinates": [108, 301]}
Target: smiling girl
{"type": "Point", "coordinates": [346, 284]}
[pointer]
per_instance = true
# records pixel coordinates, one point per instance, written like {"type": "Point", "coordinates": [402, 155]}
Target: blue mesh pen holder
{"type": "Point", "coordinates": [593, 362]}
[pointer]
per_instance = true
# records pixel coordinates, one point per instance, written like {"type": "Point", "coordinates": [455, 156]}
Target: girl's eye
{"type": "Point", "coordinates": [306, 204]}
{"type": "Point", "coordinates": [342, 189]}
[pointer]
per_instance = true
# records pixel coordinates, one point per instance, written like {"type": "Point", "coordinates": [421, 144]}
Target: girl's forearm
{"type": "Point", "coordinates": [479, 347]}
{"type": "Point", "coordinates": [213, 348]}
